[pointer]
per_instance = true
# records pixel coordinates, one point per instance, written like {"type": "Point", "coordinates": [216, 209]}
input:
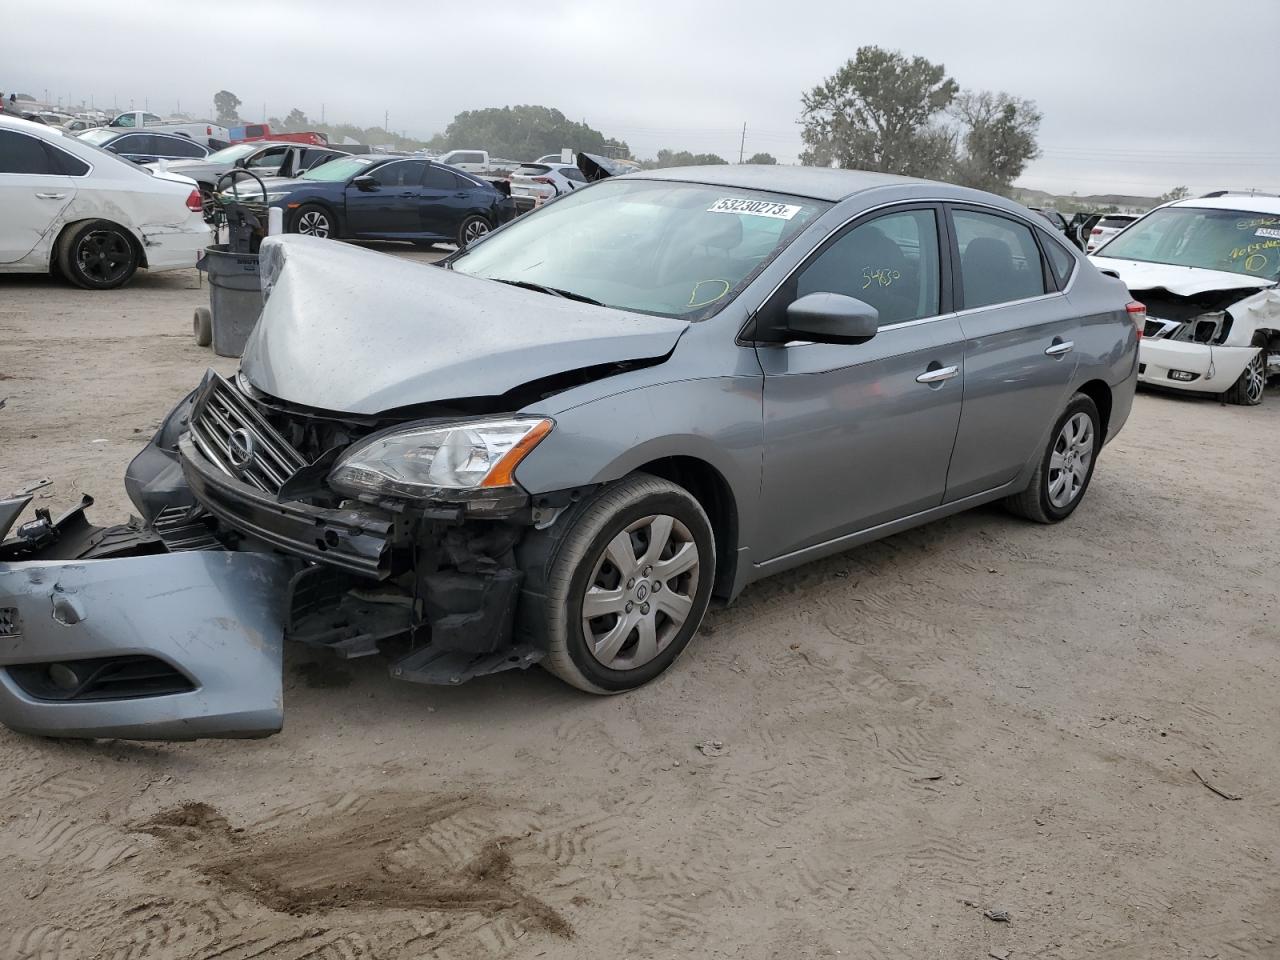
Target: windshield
{"type": "Point", "coordinates": [232, 153]}
{"type": "Point", "coordinates": [99, 135]}
{"type": "Point", "coordinates": [673, 249]}
{"type": "Point", "coordinates": [335, 170]}
{"type": "Point", "coordinates": [1235, 241]}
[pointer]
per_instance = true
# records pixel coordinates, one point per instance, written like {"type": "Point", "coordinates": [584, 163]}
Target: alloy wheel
{"type": "Point", "coordinates": [1256, 377]}
{"type": "Point", "coordinates": [313, 223]}
{"type": "Point", "coordinates": [1070, 460]}
{"type": "Point", "coordinates": [104, 256]}
{"type": "Point", "coordinates": [641, 592]}
{"type": "Point", "coordinates": [475, 230]}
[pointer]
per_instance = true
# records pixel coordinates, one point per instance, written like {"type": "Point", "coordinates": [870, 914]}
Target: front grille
{"type": "Point", "coordinates": [238, 440]}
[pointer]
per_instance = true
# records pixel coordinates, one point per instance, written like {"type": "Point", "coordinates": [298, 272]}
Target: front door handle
{"type": "Point", "coordinates": [50, 196]}
{"type": "Point", "coordinates": [1060, 348]}
{"type": "Point", "coordinates": [938, 374]}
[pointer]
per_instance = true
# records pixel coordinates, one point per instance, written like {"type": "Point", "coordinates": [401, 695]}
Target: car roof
{"type": "Point", "coordinates": [1233, 201]}
{"type": "Point", "coordinates": [819, 183]}
{"type": "Point", "coordinates": [28, 126]}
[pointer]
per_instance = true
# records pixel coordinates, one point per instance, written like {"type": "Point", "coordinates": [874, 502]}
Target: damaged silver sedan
{"type": "Point", "coordinates": [557, 448]}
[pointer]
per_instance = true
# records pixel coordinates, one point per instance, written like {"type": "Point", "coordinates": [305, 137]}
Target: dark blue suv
{"type": "Point", "coordinates": [388, 198]}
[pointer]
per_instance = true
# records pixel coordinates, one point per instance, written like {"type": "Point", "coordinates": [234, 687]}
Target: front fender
{"type": "Point", "coordinates": [717, 420]}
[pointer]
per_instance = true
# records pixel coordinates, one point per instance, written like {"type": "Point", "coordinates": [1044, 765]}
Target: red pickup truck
{"type": "Point", "coordinates": [260, 131]}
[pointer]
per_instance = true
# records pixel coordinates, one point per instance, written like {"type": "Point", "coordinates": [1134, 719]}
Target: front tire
{"type": "Point", "coordinates": [313, 220]}
{"type": "Point", "coordinates": [620, 585]}
{"type": "Point", "coordinates": [100, 255]}
{"type": "Point", "coordinates": [1251, 386]}
{"type": "Point", "coordinates": [1065, 469]}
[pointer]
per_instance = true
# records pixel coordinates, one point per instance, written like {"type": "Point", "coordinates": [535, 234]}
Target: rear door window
{"type": "Point", "coordinates": [438, 178]}
{"type": "Point", "coordinates": [1061, 262]}
{"type": "Point", "coordinates": [181, 147]}
{"type": "Point", "coordinates": [22, 154]}
{"type": "Point", "coordinates": [999, 259]}
{"type": "Point", "coordinates": [66, 164]}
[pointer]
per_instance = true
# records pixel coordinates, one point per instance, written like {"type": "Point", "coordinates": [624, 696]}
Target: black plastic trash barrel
{"type": "Point", "coordinates": [235, 296]}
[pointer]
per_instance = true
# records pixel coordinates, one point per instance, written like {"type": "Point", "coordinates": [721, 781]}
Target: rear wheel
{"type": "Point", "coordinates": [624, 583]}
{"type": "Point", "coordinates": [472, 229]}
{"type": "Point", "coordinates": [313, 220]}
{"type": "Point", "coordinates": [1250, 387]}
{"type": "Point", "coordinates": [99, 255]}
{"type": "Point", "coordinates": [1065, 469]}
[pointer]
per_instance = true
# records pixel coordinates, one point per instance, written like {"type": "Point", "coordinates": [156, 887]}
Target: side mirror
{"type": "Point", "coordinates": [365, 182]}
{"type": "Point", "coordinates": [832, 318]}
{"type": "Point", "coordinates": [243, 163]}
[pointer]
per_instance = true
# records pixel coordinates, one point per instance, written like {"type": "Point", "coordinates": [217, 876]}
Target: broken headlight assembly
{"type": "Point", "coordinates": [472, 461]}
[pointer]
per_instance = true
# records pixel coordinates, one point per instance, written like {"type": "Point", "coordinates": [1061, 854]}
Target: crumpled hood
{"type": "Point", "coordinates": [1180, 281]}
{"type": "Point", "coordinates": [350, 330]}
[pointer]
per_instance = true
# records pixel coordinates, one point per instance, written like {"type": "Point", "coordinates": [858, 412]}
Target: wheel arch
{"type": "Point", "coordinates": [72, 225]}
{"type": "Point", "coordinates": [712, 491]}
{"type": "Point", "coordinates": [1100, 393]}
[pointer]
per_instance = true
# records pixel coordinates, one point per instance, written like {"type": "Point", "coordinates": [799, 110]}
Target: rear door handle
{"type": "Point", "coordinates": [50, 196]}
{"type": "Point", "coordinates": [1060, 349]}
{"type": "Point", "coordinates": [938, 375]}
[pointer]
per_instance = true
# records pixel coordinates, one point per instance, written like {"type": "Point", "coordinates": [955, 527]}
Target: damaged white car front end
{"type": "Point", "coordinates": [1207, 272]}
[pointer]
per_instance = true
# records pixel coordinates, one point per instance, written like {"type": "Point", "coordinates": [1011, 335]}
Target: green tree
{"type": "Point", "coordinates": [998, 134]}
{"type": "Point", "coordinates": [225, 104]}
{"type": "Point", "coordinates": [766, 158]}
{"type": "Point", "coordinates": [682, 158]}
{"type": "Point", "coordinates": [523, 133]}
{"type": "Point", "coordinates": [1177, 193]}
{"type": "Point", "coordinates": [296, 121]}
{"type": "Point", "coordinates": [880, 111]}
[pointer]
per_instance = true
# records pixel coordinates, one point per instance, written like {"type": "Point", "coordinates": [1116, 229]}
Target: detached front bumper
{"type": "Point", "coordinates": [172, 646]}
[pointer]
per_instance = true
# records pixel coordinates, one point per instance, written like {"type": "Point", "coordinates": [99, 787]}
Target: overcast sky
{"type": "Point", "coordinates": [1138, 95]}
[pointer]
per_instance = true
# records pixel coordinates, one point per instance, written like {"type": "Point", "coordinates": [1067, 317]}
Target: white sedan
{"type": "Point", "coordinates": [94, 216]}
{"type": "Point", "coordinates": [1208, 270]}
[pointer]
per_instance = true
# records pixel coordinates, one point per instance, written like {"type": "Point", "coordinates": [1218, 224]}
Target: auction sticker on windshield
{"type": "Point", "coordinates": [756, 208]}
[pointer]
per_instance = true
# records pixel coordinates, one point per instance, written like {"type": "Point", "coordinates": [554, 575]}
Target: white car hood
{"type": "Point", "coordinates": [1181, 281]}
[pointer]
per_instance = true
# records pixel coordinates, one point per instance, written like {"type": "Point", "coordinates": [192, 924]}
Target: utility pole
{"type": "Point", "coordinates": [386, 120]}
{"type": "Point", "coordinates": [742, 147]}
{"type": "Point", "coordinates": [322, 114]}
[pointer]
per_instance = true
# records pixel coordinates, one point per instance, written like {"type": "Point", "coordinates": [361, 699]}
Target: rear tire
{"type": "Point", "coordinates": [658, 534]}
{"type": "Point", "coordinates": [1063, 475]}
{"type": "Point", "coordinates": [1251, 386]}
{"type": "Point", "coordinates": [98, 255]}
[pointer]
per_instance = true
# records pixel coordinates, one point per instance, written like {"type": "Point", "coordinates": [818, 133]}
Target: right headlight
{"type": "Point", "coordinates": [439, 461]}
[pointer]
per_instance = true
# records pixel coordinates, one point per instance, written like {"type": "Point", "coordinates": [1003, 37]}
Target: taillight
{"type": "Point", "coordinates": [193, 201]}
{"type": "Point", "coordinates": [208, 131]}
{"type": "Point", "coordinates": [546, 180]}
{"type": "Point", "coordinates": [1138, 314]}
{"type": "Point", "coordinates": [1096, 231]}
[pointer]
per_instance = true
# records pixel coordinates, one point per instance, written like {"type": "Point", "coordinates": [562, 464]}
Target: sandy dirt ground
{"type": "Point", "coordinates": [983, 714]}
